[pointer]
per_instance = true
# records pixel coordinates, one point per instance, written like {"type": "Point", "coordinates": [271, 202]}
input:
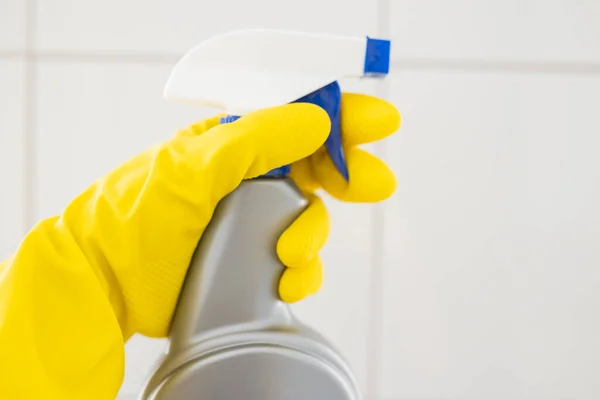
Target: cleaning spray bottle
{"type": "Point", "coordinates": [232, 337]}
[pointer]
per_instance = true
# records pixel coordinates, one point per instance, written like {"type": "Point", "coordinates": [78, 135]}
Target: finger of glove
{"type": "Point", "coordinates": [366, 119]}
{"type": "Point", "coordinates": [371, 180]}
{"type": "Point", "coordinates": [302, 241]}
{"type": "Point", "coordinates": [299, 283]}
{"type": "Point", "coordinates": [222, 157]}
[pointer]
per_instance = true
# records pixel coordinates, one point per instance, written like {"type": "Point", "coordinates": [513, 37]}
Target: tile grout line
{"type": "Point", "coordinates": [412, 64]}
{"type": "Point", "coordinates": [29, 107]}
{"type": "Point", "coordinates": [374, 297]}
{"type": "Point", "coordinates": [10, 54]}
{"type": "Point", "coordinates": [92, 57]}
{"type": "Point", "coordinates": [397, 64]}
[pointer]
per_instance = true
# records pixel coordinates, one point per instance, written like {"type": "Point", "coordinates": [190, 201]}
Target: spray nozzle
{"type": "Point", "coordinates": [248, 70]}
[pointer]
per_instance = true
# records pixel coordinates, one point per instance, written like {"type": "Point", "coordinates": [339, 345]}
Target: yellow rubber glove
{"type": "Point", "coordinates": [113, 262]}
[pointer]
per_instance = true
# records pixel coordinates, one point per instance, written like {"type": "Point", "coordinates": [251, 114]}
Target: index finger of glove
{"type": "Point", "coordinates": [255, 144]}
{"type": "Point", "coordinates": [367, 119]}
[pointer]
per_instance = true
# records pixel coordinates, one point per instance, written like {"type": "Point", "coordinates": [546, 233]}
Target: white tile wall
{"type": "Point", "coordinates": [489, 253]}
{"type": "Point", "coordinates": [12, 25]}
{"type": "Point", "coordinates": [11, 155]}
{"type": "Point", "coordinates": [491, 256]}
{"type": "Point", "coordinates": [173, 26]}
{"type": "Point", "coordinates": [558, 31]}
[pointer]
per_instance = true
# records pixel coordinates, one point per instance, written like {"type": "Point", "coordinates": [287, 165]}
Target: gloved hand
{"type": "Point", "coordinates": [112, 264]}
{"type": "Point", "coordinates": [168, 195]}
{"type": "Point", "coordinates": [138, 226]}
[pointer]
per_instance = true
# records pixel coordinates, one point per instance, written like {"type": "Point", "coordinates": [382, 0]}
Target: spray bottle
{"type": "Point", "coordinates": [231, 336]}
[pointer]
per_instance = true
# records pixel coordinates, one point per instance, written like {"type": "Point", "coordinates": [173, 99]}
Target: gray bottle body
{"type": "Point", "coordinates": [232, 337]}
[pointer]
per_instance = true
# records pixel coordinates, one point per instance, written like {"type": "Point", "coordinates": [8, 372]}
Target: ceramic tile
{"type": "Point", "coordinates": [12, 25]}
{"type": "Point", "coordinates": [12, 161]}
{"type": "Point", "coordinates": [491, 279]}
{"type": "Point", "coordinates": [513, 30]}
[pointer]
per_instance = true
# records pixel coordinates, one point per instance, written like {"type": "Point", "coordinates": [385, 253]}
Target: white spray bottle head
{"type": "Point", "coordinates": [243, 71]}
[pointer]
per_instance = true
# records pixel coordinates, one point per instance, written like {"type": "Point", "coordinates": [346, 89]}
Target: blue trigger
{"type": "Point", "coordinates": [328, 98]}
